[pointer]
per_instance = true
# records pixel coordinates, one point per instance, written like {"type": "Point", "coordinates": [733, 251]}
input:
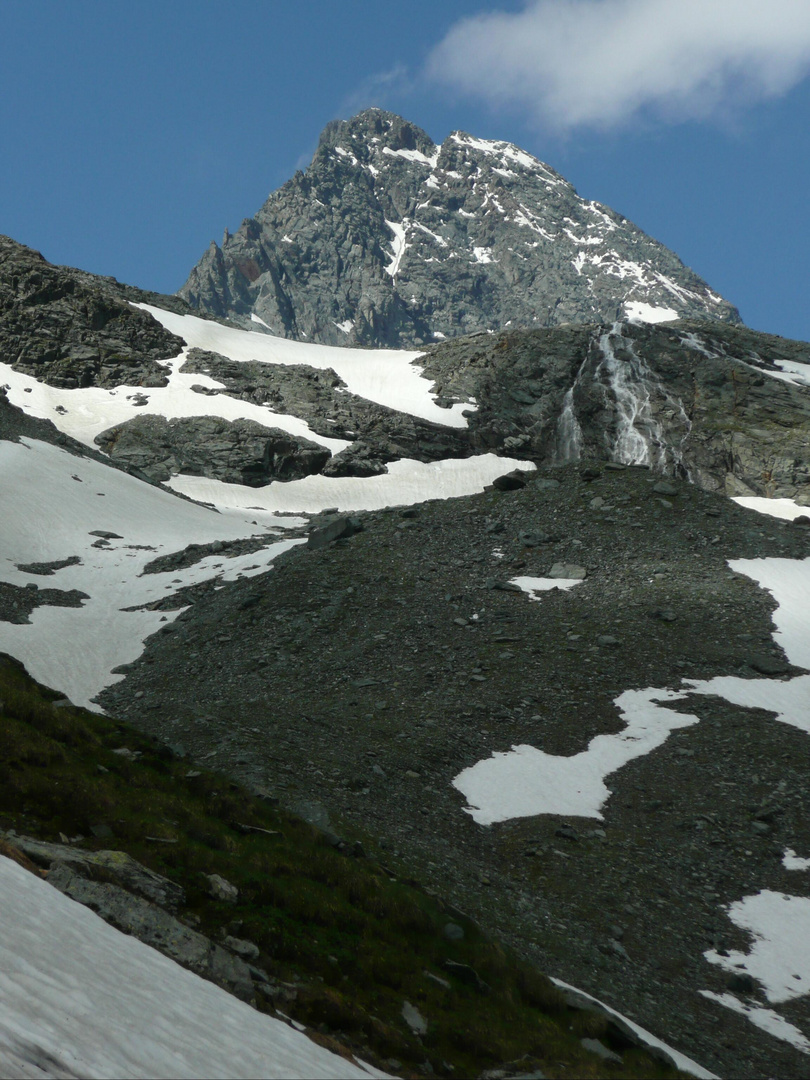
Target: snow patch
{"type": "Point", "coordinates": [779, 957]}
{"type": "Point", "coordinates": [535, 585]}
{"type": "Point", "coordinates": [525, 781]}
{"type": "Point", "coordinates": [440, 240]}
{"type": "Point", "coordinates": [786, 509]}
{"type": "Point", "coordinates": [386, 376]}
{"type": "Point", "coordinates": [414, 155]}
{"type": "Point", "coordinates": [765, 1019]}
{"type": "Point", "coordinates": [255, 318]}
{"type": "Point", "coordinates": [637, 311]}
{"type": "Point", "coordinates": [398, 244]}
{"type": "Point", "coordinates": [791, 861]}
{"type": "Point", "coordinates": [483, 255]}
{"type": "Point", "coordinates": [48, 516]}
{"type": "Point", "coordinates": [407, 481]}
{"type": "Point", "coordinates": [85, 413]}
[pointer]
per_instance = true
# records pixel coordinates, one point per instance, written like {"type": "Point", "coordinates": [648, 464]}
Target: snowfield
{"type": "Point", "coordinates": [52, 500]}
{"type": "Point", "coordinates": [79, 998]}
{"type": "Point", "coordinates": [385, 376]}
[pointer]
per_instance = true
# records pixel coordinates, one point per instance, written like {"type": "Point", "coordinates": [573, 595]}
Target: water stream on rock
{"type": "Point", "coordinates": [630, 388]}
{"type": "Point", "coordinates": [569, 432]}
{"type": "Point", "coordinates": [640, 438]}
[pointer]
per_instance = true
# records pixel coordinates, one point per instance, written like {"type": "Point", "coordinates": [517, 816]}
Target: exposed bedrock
{"type": "Point", "coordinates": [703, 400]}
{"type": "Point", "coordinates": [379, 434]}
{"type": "Point", "coordinates": [390, 240]}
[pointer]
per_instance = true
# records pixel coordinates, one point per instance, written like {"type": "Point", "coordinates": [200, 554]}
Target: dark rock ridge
{"type": "Point", "coordinates": [390, 240]}
{"type": "Point", "coordinates": [71, 329]}
{"type": "Point", "coordinates": [378, 434]}
{"type": "Point", "coordinates": [237, 452]}
{"type": "Point", "coordinates": [704, 401]}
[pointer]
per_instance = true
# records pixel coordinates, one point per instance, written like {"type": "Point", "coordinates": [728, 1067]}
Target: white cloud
{"type": "Point", "coordinates": [602, 62]}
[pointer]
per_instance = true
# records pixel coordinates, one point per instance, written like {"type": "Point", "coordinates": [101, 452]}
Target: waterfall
{"type": "Point", "coordinates": [569, 440]}
{"type": "Point", "coordinates": [639, 438]}
{"type": "Point", "coordinates": [631, 390]}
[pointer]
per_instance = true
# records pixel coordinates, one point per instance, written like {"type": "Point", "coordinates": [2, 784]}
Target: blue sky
{"type": "Point", "coordinates": [133, 135]}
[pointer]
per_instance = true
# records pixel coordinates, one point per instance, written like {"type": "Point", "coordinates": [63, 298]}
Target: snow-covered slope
{"type": "Point", "coordinates": [56, 509]}
{"type": "Point", "coordinates": [80, 999]}
{"type": "Point", "coordinates": [55, 505]}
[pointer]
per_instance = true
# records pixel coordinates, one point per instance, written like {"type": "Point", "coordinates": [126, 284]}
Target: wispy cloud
{"type": "Point", "coordinates": [602, 63]}
{"type": "Point", "coordinates": [377, 90]}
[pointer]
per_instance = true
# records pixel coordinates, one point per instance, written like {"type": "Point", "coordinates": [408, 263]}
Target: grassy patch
{"type": "Point", "coordinates": [349, 943]}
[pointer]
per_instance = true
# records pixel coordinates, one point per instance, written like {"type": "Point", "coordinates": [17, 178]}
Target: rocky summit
{"type": "Point", "coordinates": [388, 239]}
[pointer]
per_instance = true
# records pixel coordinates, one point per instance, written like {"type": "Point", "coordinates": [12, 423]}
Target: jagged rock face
{"type": "Point", "coordinates": [390, 240]}
{"type": "Point", "coordinates": [71, 329]}
{"type": "Point", "coordinates": [701, 400]}
{"type": "Point", "coordinates": [236, 452]}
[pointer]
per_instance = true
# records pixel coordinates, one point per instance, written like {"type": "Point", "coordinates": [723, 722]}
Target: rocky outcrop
{"type": "Point", "coordinates": [318, 396]}
{"type": "Point", "coordinates": [724, 406]}
{"type": "Point", "coordinates": [70, 329]}
{"type": "Point", "coordinates": [137, 901]}
{"type": "Point", "coordinates": [236, 452]}
{"type": "Point", "coordinates": [388, 239]}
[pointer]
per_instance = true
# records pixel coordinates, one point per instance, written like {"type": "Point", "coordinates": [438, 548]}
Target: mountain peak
{"type": "Point", "coordinates": [390, 240]}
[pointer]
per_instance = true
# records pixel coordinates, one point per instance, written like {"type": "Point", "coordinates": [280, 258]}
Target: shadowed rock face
{"type": "Point", "coordinates": [390, 240]}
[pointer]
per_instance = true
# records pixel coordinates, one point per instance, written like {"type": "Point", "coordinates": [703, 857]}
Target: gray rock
{"type": "Point", "coordinates": [768, 665]}
{"type": "Point", "coordinates": [741, 984]}
{"type": "Point", "coordinates": [72, 329]}
{"type": "Point", "coordinates": [414, 1019]}
{"type": "Point", "coordinates": [247, 950]}
{"type": "Point", "coordinates": [464, 973]}
{"type": "Point", "coordinates": [453, 932]}
{"type": "Point", "coordinates": [567, 570]}
{"type": "Point", "coordinates": [340, 527]}
{"type": "Point", "coordinates": [222, 890]}
{"type": "Point", "coordinates": [156, 927]}
{"type": "Point", "coordinates": [511, 481]}
{"type": "Point", "coordinates": [236, 452]}
{"type": "Point", "coordinates": [116, 865]}
{"type": "Point", "coordinates": [594, 1046]}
